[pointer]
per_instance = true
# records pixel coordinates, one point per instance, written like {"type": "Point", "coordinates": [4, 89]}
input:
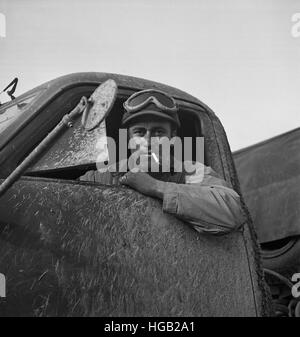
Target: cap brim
{"type": "Point", "coordinates": [151, 113]}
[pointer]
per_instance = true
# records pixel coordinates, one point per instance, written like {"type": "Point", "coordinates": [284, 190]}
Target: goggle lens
{"type": "Point", "coordinates": [142, 97]}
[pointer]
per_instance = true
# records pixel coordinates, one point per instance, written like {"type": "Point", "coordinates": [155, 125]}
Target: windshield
{"type": "Point", "coordinates": [9, 114]}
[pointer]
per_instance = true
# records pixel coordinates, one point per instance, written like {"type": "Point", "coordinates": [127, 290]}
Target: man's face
{"type": "Point", "coordinates": [145, 135]}
{"type": "Point", "coordinates": [144, 129]}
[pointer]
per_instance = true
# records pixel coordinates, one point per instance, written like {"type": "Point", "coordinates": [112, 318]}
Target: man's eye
{"type": "Point", "coordinates": [158, 133]}
{"type": "Point", "coordinates": [138, 132]}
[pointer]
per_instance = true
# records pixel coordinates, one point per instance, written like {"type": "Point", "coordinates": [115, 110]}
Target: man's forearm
{"type": "Point", "coordinates": [158, 189]}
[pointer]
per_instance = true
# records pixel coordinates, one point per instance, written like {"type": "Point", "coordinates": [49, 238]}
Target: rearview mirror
{"type": "Point", "coordinates": [99, 105]}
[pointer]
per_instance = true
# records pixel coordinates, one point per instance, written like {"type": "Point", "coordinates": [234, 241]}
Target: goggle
{"type": "Point", "coordinates": [141, 99]}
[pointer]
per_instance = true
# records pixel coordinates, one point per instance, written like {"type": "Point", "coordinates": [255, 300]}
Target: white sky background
{"type": "Point", "coordinates": [237, 56]}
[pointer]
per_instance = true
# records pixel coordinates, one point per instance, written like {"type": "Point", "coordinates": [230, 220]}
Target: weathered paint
{"type": "Point", "coordinates": [79, 249]}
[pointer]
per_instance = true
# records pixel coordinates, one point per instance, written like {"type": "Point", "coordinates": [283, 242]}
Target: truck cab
{"type": "Point", "coordinates": [79, 248]}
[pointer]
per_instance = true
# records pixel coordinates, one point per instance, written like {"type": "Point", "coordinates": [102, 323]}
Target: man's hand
{"type": "Point", "coordinates": [144, 183]}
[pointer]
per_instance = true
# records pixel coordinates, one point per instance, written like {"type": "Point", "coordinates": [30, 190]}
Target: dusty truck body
{"type": "Point", "coordinates": [269, 176]}
{"type": "Point", "coordinates": [75, 248]}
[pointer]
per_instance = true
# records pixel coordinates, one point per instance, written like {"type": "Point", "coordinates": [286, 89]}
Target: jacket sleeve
{"type": "Point", "coordinates": [206, 202]}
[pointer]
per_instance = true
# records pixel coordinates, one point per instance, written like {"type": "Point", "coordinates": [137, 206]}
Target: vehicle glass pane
{"type": "Point", "coordinates": [10, 114]}
{"type": "Point", "coordinates": [74, 146]}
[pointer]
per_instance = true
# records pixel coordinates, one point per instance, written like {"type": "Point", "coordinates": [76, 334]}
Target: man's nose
{"type": "Point", "coordinates": [147, 137]}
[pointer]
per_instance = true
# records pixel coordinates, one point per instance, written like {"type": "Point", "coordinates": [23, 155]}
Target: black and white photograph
{"type": "Point", "coordinates": [149, 161]}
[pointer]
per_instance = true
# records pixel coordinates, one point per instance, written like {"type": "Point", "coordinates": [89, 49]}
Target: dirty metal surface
{"type": "Point", "coordinates": [81, 249]}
